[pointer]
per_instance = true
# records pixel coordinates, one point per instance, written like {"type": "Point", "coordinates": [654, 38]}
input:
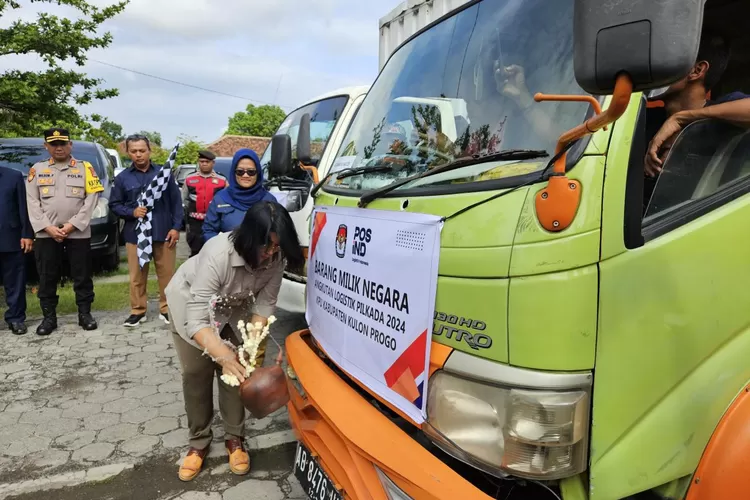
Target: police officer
{"type": "Point", "coordinates": [197, 193]}
{"type": "Point", "coordinates": [61, 194]}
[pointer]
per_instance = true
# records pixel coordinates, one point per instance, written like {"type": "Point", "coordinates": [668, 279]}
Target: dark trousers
{"type": "Point", "coordinates": [194, 236]}
{"type": "Point", "coordinates": [49, 261]}
{"type": "Point", "coordinates": [198, 373]}
{"type": "Point", "coordinates": [13, 269]}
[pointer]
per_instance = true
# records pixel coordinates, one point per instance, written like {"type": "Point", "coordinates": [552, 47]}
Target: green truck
{"type": "Point", "coordinates": [592, 327]}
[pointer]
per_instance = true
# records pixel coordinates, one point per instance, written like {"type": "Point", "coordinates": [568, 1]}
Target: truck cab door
{"type": "Point", "coordinates": [674, 321]}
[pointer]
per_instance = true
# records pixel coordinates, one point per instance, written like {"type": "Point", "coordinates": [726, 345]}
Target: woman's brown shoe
{"type": "Point", "coordinates": [192, 464]}
{"type": "Point", "coordinates": [239, 460]}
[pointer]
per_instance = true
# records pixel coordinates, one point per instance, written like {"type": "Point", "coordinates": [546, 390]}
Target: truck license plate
{"type": "Point", "coordinates": [314, 481]}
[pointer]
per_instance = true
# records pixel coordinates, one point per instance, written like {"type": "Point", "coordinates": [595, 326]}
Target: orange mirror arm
{"type": "Point", "coordinates": [539, 97]}
{"type": "Point", "coordinates": [557, 204]}
{"type": "Point", "coordinates": [620, 101]}
{"type": "Point", "coordinates": [313, 170]}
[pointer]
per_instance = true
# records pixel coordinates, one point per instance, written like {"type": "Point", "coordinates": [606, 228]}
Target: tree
{"type": "Point", "coordinates": [111, 129]}
{"type": "Point", "coordinates": [108, 134]}
{"type": "Point", "coordinates": [187, 154]}
{"type": "Point", "coordinates": [29, 99]}
{"type": "Point", "coordinates": [159, 155]}
{"type": "Point", "coordinates": [153, 137]}
{"type": "Point", "coordinates": [260, 121]}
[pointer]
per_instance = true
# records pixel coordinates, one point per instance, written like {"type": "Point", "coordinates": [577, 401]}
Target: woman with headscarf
{"type": "Point", "coordinates": [242, 271]}
{"type": "Point", "coordinates": [228, 208]}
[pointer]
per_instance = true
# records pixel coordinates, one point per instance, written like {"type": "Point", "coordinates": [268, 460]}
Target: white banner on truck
{"type": "Point", "coordinates": [371, 284]}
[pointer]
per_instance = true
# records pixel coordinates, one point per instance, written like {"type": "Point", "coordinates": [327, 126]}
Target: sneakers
{"type": "Point", "coordinates": [192, 464]}
{"type": "Point", "coordinates": [164, 317]}
{"type": "Point", "coordinates": [134, 320]}
{"type": "Point", "coordinates": [239, 460]}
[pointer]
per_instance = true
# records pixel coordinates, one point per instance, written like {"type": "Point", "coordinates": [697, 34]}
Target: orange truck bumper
{"type": "Point", "coordinates": [349, 437]}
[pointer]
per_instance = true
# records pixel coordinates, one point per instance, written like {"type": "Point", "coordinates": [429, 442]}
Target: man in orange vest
{"type": "Point", "coordinates": [197, 193]}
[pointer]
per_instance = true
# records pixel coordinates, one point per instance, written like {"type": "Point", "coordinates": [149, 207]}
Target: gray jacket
{"type": "Point", "coordinates": [218, 270]}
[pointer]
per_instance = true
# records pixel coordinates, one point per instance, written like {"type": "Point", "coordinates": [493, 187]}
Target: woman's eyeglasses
{"type": "Point", "coordinates": [271, 248]}
{"type": "Point", "coordinates": [243, 173]}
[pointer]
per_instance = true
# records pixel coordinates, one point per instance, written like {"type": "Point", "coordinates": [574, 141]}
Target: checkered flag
{"type": "Point", "coordinates": [147, 199]}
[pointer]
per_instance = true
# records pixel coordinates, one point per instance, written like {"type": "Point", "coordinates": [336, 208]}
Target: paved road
{"type": "Point", "coordinates": [79, 407]}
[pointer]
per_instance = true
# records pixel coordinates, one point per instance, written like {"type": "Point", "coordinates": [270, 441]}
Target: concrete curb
{"type": "Point", "coordinates": [93, 475]}
{"type": "Point", "coordinates": [120, 278]}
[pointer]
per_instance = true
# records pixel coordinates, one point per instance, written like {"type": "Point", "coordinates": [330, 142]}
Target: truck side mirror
{"type": "Point", "coordinates": [304, 154]}
{"type": "Point", "coordinates": [654, 42]}
{"type": "Point", "coordinates": [281, 156]}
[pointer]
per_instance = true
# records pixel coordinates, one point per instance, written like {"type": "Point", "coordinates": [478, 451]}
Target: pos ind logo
{"type": "Point", "coordinates": [341, 241]}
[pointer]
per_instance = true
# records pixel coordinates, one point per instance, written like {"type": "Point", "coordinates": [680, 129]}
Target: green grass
{"type": "Point", "coordinates": [123, 269]}
{"type": "Point", "coordinates": [108, 296]}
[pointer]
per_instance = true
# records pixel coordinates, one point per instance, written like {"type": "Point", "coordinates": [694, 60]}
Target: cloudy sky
{"type": "Point", "coordinates": [280, 52]}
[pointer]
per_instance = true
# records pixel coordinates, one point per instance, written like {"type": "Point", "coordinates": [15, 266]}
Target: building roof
{"type": "Point", "coordinates": [229, 144]}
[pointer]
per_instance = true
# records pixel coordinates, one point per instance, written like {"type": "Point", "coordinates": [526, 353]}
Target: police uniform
{"type": "Point", "coordinates": [58, 193]}
{"type": "Point", "coordinates": [197, 193]}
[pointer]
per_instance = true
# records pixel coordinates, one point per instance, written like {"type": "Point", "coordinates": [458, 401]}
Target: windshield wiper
{"type": "Point", "coordinates": [363, 170]}
{"type": "Point", "coordinates": [506, 155]}
{"type": "Point", "coordinates": [349, 172]}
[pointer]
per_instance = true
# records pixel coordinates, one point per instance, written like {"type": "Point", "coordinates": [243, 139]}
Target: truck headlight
{"type": "Point", "coordinates": [101, 210]}
{"type": "Point", "coordinates": [537, 434]}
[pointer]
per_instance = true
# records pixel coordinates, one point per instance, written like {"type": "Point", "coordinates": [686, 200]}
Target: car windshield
{"type": "Point", "coordinates": [23, 157]}
{"type": "Point", "coordinates": [464, 87]}
{"type": "Point", "coordinates": [323, 117]}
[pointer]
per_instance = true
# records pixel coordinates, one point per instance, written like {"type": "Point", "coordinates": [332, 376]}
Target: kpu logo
{"type": "Point", "coordinates": [341, 241]}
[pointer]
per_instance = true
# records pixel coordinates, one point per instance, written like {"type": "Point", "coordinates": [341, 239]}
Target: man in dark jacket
{"type": "Point", "coordinates": [166, 222]}
{"type": "Point", "coordinates": [15, 242]}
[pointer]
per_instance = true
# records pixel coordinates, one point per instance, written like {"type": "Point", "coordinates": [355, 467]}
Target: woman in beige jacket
{"type": "Point", "coordinates": [243, 269]}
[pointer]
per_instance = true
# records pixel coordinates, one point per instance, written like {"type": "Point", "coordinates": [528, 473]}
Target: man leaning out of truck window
{"type": "Point", "coordinates": [686, 101]}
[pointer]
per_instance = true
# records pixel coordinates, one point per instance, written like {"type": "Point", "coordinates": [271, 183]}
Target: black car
{"type": "Point", "coordinates": [22, 154]}
{"type": "Point", "coordinates": [181, 173]}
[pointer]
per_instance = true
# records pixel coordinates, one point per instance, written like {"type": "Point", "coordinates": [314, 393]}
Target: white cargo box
{"type": "Point", "coordinates": [408, 18]}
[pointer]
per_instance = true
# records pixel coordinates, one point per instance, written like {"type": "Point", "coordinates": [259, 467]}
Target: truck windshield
{"type": "Point", "coordinates": [323, 117]}
{"type": "Point", "coordinates": [464, 87]}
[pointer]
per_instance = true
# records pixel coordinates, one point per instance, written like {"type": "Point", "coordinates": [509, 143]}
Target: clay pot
{"type": "Point", "coordinates": [266, 390]}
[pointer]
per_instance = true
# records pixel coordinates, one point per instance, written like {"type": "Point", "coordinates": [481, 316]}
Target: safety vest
{"type": "Point", "coordinates": [201, 191]}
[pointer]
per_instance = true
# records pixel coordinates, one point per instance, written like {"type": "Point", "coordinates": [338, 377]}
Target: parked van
{"type": "Point", "coordinates": [314, 132]}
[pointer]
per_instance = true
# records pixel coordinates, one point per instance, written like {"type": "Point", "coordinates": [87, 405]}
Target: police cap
{"type": "Point", "coordinates": [56, 134]}
{"type": "Point", "coordinates": [206, 155]}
